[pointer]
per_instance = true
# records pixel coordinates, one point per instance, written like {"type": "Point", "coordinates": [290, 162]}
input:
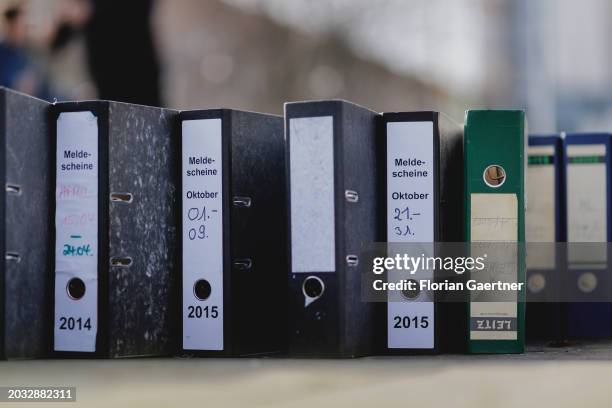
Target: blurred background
{"type": "Point", "coordinates": [551, 57]}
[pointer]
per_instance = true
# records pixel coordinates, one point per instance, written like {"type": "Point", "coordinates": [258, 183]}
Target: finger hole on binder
{"type": "Point", "coordinates": [76, 288]}
{"type": "Point", "coordinates": [121, 198]}
{"type": "Point", "coordinates": [202, 289]}
{"type": "Point", "coordinates": [587, 282]}
{"type": "Point", "coordinates": [411, 294]}
{"type": "Point", "coordinates": [536, 283]}
{"type": "Point", "coordinates": [312, 288]}
{"type": "Point", "coordinates": [494, 176]}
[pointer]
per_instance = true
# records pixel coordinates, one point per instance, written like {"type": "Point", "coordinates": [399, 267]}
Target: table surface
{"type": "Point", "coordinates": [578, 375]}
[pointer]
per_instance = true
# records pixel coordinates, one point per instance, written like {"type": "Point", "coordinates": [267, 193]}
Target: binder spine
{"type": "Point", "coordinates": [357, 222]}
{"type": "Point", "coordinates": [588, 157]}
{"type": "Point", "coordinates": [257, 234]}
{"type": "Point", "coordinates": [3, 267]}
{"type": "Point", "coordinates": [205, 245]}
{"type": "Point", "coordinates": [143, 157]}
{"type": "Point", "coordinates": [451, 329]}
{"type": "Point", "coordinates": [244, 287]}
{"type": "Point", "coordinates": [80, 238]}
{"type": "Point", "coordinates": [412, 166]}
{"type": "Point", "coordinates": [333, 199]}
{"type": "Point", "coordinates": [545, 223]}
{"type": "Point", "coordinates": [313, 175]}
{"type": "Point", "coordinates": [26, 272]}
{"type": "Point", "coordinates": [496, 326]}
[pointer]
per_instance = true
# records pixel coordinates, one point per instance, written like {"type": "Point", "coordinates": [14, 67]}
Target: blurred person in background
{"type": "Point", "coordinates": [122, 57]}
{"type": "Point", "coordinates": [32, 34]}
{"type": "Point", "coordinates": [120, 54]}
{"type": "Point", "coordinates": [17, 68]}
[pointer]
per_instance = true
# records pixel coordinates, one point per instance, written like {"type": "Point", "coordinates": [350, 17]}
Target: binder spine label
{"type": "Point", "coordinates": [76, 233]}
{"type": "Point", "coordinates": [410, 218]}
{"type": "Point", "coordinates": [540, 225]}
{"type": "Point", "coordinates": [586, 203]}
{"type": "Point", "coordinates": [311, 155]}
{"type": "Point", "coordinates": [494, 218]}
{"type": "Point", "coordinates": [202, 215]}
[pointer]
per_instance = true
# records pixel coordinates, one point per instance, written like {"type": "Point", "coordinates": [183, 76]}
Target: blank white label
{"type": "Point", "coordinates": [311, 155]}
{"type": "Point", "coordinates": [76, 233]}
{"type": "Point", "coordinates": [586, 203]}
{"type": "Point", "coordinates": [540, 224]}
{"type": "Point", "coordinates": [410, 218]}
{"type": "Point", "coordinates": [202, 213]}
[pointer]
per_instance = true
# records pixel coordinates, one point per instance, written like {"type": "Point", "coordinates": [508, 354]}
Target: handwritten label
{"type": "Point", "coordinates": [410, 218]}
{"type": "Point", "coordinates": [202, 212]}
{"type": "Point", "coordinates": [76, 233]}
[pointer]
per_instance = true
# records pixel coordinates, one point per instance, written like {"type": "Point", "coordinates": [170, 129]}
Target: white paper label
{"type": "Point", "coordinates": [540, 221]}
{"type": "Point", "coordinates": [76, 233]}
{"type": "Point", "coordinates": [410, 218]}
{"type": "Point", "coordinates": [313, 241]}
{"type": "Point", "coordinates": [494, 218]}
{"type": "Point", "coordinates": [586, 204]}
{"type": "Point", "coordinates": [202, 213]}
